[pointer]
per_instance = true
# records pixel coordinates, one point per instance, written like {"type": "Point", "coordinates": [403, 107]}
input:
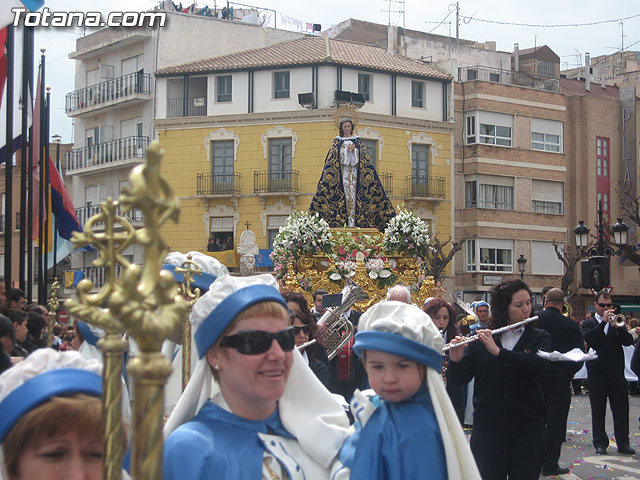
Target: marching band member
{"type": "Point", "coordinates": [508, 420]}
{"type": "Point", "coordinates": [405, 426]}
{"type": "Point", "coordinates": [252, 408]}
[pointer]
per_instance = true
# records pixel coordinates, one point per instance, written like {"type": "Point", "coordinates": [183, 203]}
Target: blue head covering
{"type": "Point", "coordinates": [43, 375]}
{"type": "Point", "coordinates": [215, 311]}
{"type": "Point", "coordinates": [87, 333]}
{"type": "Point", "coordinates": [400, 329]}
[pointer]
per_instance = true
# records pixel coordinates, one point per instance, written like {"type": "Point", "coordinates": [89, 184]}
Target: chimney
{"type": "Point", "coordinates": [587, 73]}
{"type": "Point", "coordinates": [603, 71]}
{"type": "Point", "coordinates": [392, 39]}
{"type": "Point", "coordinates": [516, 57]}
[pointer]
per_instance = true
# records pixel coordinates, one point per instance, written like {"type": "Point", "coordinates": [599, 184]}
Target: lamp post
{"type": "Point", "coordinates": [595, 270]}
{"type": "Point", "coordinates": [522, 262]}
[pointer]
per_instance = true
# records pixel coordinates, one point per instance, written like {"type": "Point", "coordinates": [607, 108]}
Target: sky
{"type": "Point", "coordinates": [437, 16]}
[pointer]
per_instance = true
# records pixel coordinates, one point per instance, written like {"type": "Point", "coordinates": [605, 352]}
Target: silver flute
{"type": "Point", "coordinates": [473, 338]}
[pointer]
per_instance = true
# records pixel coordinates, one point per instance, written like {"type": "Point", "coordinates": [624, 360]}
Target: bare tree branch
{"type": "Point", "coordinates": [437, 259]}
{"type": "Point", "coordinates": [569, 255]}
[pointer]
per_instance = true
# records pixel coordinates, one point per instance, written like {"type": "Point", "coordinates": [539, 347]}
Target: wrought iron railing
{"type": "Point", "coordinates": [387, 181]}
{"type": "Point", "coordinates": [85, 213]}
{"type": "Point", "coordinates": [507, 77]}
{"type": "Point", "coordinates": [218, 184]}
{"type": "Point", "coordinates": [125, 148]}
{"type": "Point", "coordinates": [431, 187]}
{"type": "Point", "coordinates": [275, 182]}
{"type": "Point", "coordinates": [115, 89]}
{"type": "Point", "coordinates": [196, 107]}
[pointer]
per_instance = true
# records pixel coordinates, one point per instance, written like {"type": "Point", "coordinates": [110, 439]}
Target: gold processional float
{"type": "Point", "coordinates": [145, 302]}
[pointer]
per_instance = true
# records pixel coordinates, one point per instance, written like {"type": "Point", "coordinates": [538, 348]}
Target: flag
{"type": "Point", "coordinates": [7, 16]}
{"type": "Point", "coordinates": [35, 170]}
{"type": "Point", "coordinates": [63, 215]}
{"type": "Point", "coordinates": [17, 90]}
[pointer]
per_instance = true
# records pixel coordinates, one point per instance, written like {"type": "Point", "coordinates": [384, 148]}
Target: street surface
{"type": "Point", "coordinates": [579, 455]}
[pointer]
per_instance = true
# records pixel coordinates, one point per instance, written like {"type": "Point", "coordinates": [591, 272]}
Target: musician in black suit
{"type": "Point", "coordinates": [508, 419]}
{"type": "Point", "coordinates": [605, 375]}
{"type": "Point", "coordinates": [556, 378]}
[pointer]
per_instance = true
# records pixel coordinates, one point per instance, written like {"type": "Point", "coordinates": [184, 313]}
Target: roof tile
{"type": "Point", "coordinates": [311, 50]}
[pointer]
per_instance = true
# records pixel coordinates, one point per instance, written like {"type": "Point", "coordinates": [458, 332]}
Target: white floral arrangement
{"type": "Point", "coordinates": [304, 233]}
{"type": "Point", "coordinates": [407, 233]}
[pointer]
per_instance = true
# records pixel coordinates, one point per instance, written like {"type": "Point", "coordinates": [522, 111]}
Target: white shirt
{"type": "Point", "coordinates": [600, 320]}
{"type": "Point", "coordinates": [510, 338]}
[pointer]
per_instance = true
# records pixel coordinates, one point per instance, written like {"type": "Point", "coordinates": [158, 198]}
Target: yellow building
{"type": "Point", "coordinates": [246, 135]}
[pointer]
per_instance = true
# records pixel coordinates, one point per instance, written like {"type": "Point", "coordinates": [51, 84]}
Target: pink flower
{"type": "Point", "coordinates": [354, 252]}
{"type": "Point", "coordinates": [341, 250]}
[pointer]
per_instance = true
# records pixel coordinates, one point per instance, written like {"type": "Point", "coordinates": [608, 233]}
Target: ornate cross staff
{"type": "Point", "coordinates": [89, 307]}
{"type": "Point", "coordinates": [188, 269]}
{"type": "Point", "coordinates": [146, 302]}
{"type": "Point", "coordinates": [53, 308]}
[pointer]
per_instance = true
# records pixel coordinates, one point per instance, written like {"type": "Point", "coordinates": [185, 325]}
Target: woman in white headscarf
{"type": "Point", "coordinates": [252, 408]}
{"type": "Point", "coordinates": [51, 421]}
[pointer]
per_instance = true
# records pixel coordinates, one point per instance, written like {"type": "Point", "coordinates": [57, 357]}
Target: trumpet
{"type": "Point", "coordinates": [473, 338]}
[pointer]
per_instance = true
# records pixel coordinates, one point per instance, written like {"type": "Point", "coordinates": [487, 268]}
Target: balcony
{"type": "Point", "coordinates": [222, 184]}
{"type": "Point", "coordinates": [387, 182]}
{"type": "Point", "coordinates": [195, 107]}
{"type": "Point", "coordinates": [425, 188]}
{"type": "Point", "coordinates": [135, 216]}
{"type": "Point", "coordinates": [275, 182]}
{"type": "Point", "coordinates": [129, 89]}
{"type": "Point", "coordinates": [507, 77]}
{"type": "Point", "coordinates": [112, 154]}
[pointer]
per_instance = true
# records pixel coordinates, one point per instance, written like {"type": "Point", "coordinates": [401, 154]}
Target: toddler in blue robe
{"type": "Point", "coordinates": [405, 426]}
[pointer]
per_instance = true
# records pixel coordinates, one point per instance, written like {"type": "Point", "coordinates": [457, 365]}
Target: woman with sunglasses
{"type": "Point", "coordinates": [252, 408]}
{"type": "Point", "coordinates": [303, 326]}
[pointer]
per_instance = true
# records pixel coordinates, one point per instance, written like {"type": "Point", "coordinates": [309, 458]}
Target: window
{"type": "Point", "coordinates": [602, 157]}
{"type": "Point", "coordinates": [196, 102]}
{"type": "Point", "coordinates": [274, 222]}
{"type": "Point", "coordinates": [494, 128]}
{"type": "Point", "coordinates": [547, 197]}
{"type": "Point", "coordinates": [489, 191]}
{"type": "Point", "coordinates": [222, 232]}
{"type": "Point", "coordinates": [470, 131]}
{"type": "Point", "coordinates": [495, 134]}
{"type": "Point", "coordinates": [494, 77]}
{"type": "Point", "coordinates": [364, 85]}
{"type": "Point", "coordinates": [547, 69]}
{"type": "Point", "coordinates": [546, 135]}
{"type": "Point", "coordinates": [417, 94]}
{"type": "Point", "coordinates": [280, 165]}
{"type": "Point", "coordinates": [604, 198]}
{"type": "Point", "coordinates": [372, 149]}
{"type": "Point", "coordinates": [489, 255]}
{"type": "Point", "coordinates": [544, 260]}
{"type": "Point", "coordinates": [132, 64]}
{"type": "Point", "coordinates": [222, 166]}
{"type": "Point", "coordinates": [472, 74]}
{"type": "Point", "coordinates": [223, 88]}
{"type": "Point", "coordinates": [419, 170]}
{"type": "Point", "coordinates": [281, 85]}
{"type": "Point", "coordinates": [93, 77]}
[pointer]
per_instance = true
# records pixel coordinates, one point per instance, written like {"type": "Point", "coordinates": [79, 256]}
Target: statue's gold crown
{"type": "Point", "coordinates": [346, 112]}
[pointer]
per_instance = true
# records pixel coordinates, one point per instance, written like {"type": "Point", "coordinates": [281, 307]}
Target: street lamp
{"type": "Point", "coordinates": [595, 270]}
{"type": "Point", "coordinates": [522, 262]}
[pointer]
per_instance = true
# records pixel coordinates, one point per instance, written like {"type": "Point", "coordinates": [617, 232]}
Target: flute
{"type": "Point", "coordinates": [473, 338]}
{"type": "Point", "coordinates": [305, 345]}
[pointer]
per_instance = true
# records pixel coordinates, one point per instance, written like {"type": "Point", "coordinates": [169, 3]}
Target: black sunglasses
{"type": "Point", "coordinates": [255, 342]}
{"type": "Point", "coordinates": [304, 329]}
{"type": "Point", "coordinates": [605, 305]}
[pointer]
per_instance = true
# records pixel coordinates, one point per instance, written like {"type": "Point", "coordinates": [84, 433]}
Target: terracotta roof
{"type": "Point", "coordinates": [572, 86]}
{"type": "Point", "coordinates": [311, 50]}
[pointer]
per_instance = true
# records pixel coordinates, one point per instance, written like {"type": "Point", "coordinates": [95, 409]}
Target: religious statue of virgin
{"type": "Point", "coordinates": [349, 192]}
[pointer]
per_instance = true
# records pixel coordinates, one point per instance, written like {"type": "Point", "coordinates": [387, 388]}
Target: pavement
{"type": "Point", "coordinates": [579, 454]}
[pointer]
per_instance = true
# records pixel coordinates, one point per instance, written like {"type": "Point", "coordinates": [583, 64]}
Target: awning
{"type": "Point", "coordinates": [630, 307]}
